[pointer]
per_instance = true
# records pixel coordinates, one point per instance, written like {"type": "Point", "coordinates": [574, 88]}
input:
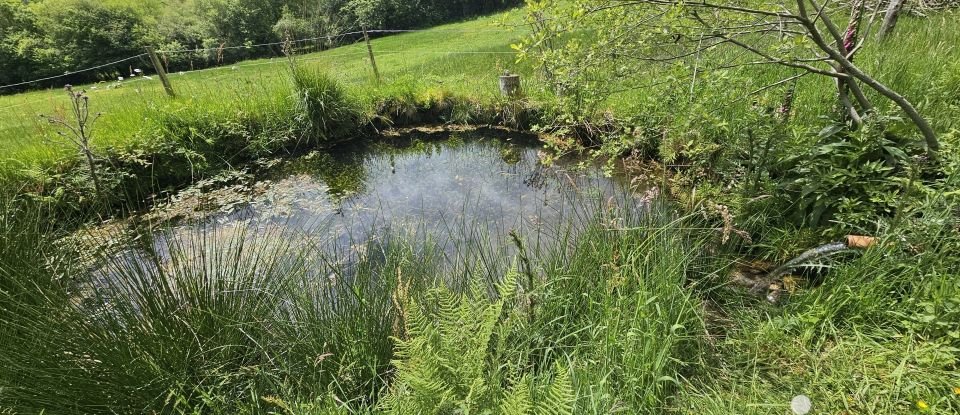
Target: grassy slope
{"type": "Point", "coordinates": [408, 62]}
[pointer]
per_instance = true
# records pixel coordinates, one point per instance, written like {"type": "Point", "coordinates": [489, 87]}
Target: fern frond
{"type": "Point", "coordinates": [449, 361]}
{"type": "Point", "coordinates": [507, 287]}
{"type": "Point", "coordinates": [518, 400]}
{"type": "Point", "coordinates": [417, 322]}
{"type": "Point", "coordinates": [558, 399]}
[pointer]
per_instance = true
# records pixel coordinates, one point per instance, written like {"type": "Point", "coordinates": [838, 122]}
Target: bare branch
{"type": "Point", "coordinates": [780, 82]}
{"type": "Point", "coordinates": [791, 64]}
{"type": "Point", "coordinates": [831, 27]}
{"type": "Point", "coordinates": [930, 137]}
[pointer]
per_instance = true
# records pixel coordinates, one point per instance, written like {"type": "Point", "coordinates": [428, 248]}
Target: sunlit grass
{"type": "Point", "coordinates": [227, 319]}
{"type": "Point", "coordinates": [632, 310]}
{"type": "Point", "coordinates": [450, 58]}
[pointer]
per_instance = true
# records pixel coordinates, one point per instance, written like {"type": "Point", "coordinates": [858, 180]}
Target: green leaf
{"type": "Point", "coordinates": [831, 130]}
{"type": "Point", "coordinates": [895, 152]}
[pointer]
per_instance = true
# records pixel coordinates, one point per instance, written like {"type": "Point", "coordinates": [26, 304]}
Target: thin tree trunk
{"type": "Point", "coordinates": [890, 19]}
{"type": "Point", "coordinates": [847, 105]}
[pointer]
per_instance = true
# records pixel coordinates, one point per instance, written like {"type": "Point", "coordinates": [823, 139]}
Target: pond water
{"type": "Point", "coordinates": [450, 189]}
{"type": "Point", "coordinates": [450, 186]}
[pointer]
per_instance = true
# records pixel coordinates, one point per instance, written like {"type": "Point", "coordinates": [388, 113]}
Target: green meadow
{"type": "Point", "coordinates": [457, 59]}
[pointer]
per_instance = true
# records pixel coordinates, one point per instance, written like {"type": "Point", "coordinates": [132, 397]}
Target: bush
{"type": "Point", "coordinates": [849, 177]}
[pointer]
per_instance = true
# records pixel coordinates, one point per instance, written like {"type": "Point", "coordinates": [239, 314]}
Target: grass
{"type": "Point", "coordinates": [464, 59]}
{"type": "Point", "coordinates": [230, 321]}
{"type": "Point", "coordinates": [449, 58]}
{"type": "Point", "coordinates": [262, 319]}
{"type": "Point", "coordinates": [849, 345]}
{"type": "Point", "coordinates": [622, 313]}
{"type": "Point", "coordinates": [451, 73]}
{"type": "Point", "coordinates": [633, 318]}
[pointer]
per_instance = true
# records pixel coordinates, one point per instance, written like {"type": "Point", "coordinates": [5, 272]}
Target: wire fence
{"type": "Point", "coordinates": [334, 38]}
{"type": "Point", "coordinates": [75, 72]}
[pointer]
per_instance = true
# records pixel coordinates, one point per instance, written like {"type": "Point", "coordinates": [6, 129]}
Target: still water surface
{"type": "Point", "coordinates": [460, 188]}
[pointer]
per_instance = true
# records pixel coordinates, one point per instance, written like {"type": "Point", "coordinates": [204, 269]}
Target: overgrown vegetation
{"type": "Point", "coordinates": [761, 134]}
{"type": "Point", "coordinates": [273, 325]}
{"type": "Point", "coordinates": [799, 126]}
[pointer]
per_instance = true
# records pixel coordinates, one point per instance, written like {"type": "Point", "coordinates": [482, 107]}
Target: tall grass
{"type": "Point", "coordinates": [325, 111]}
{"type": "Point", "coordinates": [247, 320]}
{"type": "Point", "coordinates": [874, 334]}
{"type": "Point", "coordinates": [229, 320]}
{"type": "Point", "coordinates": [220, 320]}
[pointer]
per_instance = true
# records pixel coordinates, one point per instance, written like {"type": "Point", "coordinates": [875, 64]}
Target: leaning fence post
{"type": "Point", "coordinates": [373, 62]}
{"type": "Point", "coordinates": [160, 71]}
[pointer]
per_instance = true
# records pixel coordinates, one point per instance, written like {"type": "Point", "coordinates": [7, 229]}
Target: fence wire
{"type": "Point", "coordinates": [338, 37]}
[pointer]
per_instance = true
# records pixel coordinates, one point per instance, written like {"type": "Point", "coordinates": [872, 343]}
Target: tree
{"type": "Point", "coordinates": [76, 128]}
{"type": "Point", "coordinates": [18, 34]}
{"type": "Point", "coordinates": [50, 37]}
{"type": "Point", "coordinates": [292, 27]}
{"type": "Point", "coordinates": [799, 35]}
{"type": "Point", "coordinates": [86, 33]}
{"type": "Point", "coordinates": [239, 22]}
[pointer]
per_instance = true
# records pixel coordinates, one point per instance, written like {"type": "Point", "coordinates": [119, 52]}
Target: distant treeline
{"type": "Point", "coordinates": [41, 38]}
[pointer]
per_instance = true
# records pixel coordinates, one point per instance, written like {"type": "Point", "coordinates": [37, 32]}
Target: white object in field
{"type": "Point", "coordinates": [137, 70]}
{"type": "Point", "coordinates": [801, 405]}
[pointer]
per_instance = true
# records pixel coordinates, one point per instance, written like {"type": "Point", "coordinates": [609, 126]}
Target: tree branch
{"type": "Point", "coordinates": [930, 137]}
{"type": "Point", "coordinates": [791, 64]}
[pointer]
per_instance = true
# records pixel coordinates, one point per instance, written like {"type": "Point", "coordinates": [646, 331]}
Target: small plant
{"type": "Point", "coordinates": [456, 359]}
{"type": "Point", "coordinates": [77, 129]}
{"type": "Point", "coordinates": [850, 177]}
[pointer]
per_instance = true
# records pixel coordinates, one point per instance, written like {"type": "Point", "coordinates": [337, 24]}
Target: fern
{"type": "Point", "coordinates": [517, 400]}
{"type": "Point", "coordinates": [557, 399]}
{"type": "Point", "coordinates": [450, 359]}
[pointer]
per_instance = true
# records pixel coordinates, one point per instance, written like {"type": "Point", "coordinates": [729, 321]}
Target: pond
{"type": "Point", "coordinates": [455, 186]}
{"type": "Point", "coordinates": [455, 191]}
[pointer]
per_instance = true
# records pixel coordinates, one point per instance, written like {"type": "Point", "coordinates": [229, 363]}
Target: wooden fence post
{"type": "Point", "coordinates": [373, 62]}
{"type": "Point", "coordinates": [509, 84]}
{"type": "Point", "coordinates": [160, 71]}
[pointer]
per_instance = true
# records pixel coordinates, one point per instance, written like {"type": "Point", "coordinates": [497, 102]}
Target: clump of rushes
{"type": "Point", "coordinates": [323, 111]}
{"type": "Point", "coordinates": [76, 128]}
